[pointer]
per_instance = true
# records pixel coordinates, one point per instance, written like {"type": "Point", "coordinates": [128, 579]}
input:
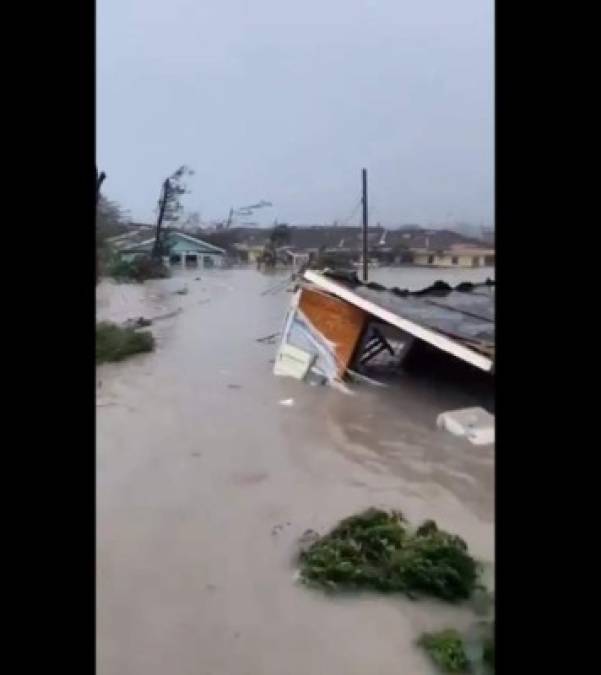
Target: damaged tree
{"type": "Point", "coordinates": [169, 207]}
{"type": "Point", "coordinates": [100, 177]}
{"type": "Point", "coordinates": [99, 180]}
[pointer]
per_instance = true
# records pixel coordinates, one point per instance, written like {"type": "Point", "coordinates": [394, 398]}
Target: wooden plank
{"type": "Point", "coordinates": [426, 334]}
{"type": "Point", "coordinates": [340, 322]}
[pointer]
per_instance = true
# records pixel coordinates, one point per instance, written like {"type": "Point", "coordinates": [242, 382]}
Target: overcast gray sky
{"type": "Point", "coordinates": [286, 100]}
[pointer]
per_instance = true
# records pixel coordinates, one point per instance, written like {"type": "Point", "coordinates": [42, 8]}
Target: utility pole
{"type": "Point", "coordinates": [156, 249]}
{"type": "Point", "coordinates": [364, 201]}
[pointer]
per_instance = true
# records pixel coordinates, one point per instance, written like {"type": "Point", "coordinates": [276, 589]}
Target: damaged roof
{"type": "Point", "coordinates": [459, 320]}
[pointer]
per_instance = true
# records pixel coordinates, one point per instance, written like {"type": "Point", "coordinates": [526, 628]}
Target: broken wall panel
{"type": "Point", "coordinates": [338, 321]}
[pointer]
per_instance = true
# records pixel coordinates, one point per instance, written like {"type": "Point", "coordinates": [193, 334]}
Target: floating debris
{"type": "Point", "coordinates": [447, 650]}
{"type": "Point", "coordinates": [169, 315]}
{"type": "Point", "coordinates": [293, 362]}
{"type": "Point", "coordinates": [268, 339]}
{"type": "Point", "coordinates": [140, 322]}
{"type": "Point", "coordinates": [475, 424]}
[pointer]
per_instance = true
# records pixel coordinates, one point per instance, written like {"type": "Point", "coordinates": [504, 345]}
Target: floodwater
{"type": "Point", "coordinates": [205, 482]}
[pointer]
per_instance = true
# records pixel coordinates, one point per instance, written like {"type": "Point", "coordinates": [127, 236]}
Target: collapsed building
{"type": "Point", "coordinates": [336, 325]}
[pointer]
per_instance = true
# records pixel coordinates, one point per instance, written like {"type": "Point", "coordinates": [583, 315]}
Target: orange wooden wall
{"type": "Point", "coordinates": [339, 321]}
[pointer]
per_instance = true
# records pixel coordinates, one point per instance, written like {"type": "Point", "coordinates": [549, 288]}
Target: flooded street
{"type": "Point", "coordinates": [205, 482]}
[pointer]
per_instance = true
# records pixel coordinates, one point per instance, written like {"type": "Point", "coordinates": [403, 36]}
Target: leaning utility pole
{"type": "Point", "coordinates": [156, 249]}
{"type": "Point", "coordinates": [364, 201]}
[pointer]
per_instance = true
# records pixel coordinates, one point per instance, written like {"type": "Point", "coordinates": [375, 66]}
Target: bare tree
{"type": "Point", "coordinates": [170, 206]}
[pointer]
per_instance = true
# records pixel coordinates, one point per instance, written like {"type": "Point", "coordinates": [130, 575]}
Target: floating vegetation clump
{"type": "Point", "coordinates": [473, 652]}
{"type": "Point", "coordinates": [377, 550]}
{"type": "Point", "coordinates": [488, 655]}
{"type": "Point", "coordinates": [115, 343]}
{"type": "Point", "coordinates": [447, 650]}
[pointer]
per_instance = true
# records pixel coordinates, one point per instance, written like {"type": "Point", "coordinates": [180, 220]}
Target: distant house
{"type": "Point", "coordinates": [182, 249]}
{"type": "Point", "coordinates": [294, 257]}
{"type": "Point", "coordinates": [341, 245]}
{"type": "Point", "coordinates": [249, 252]}
{"type": "Point", "coordinates": [433, 248]}
{"type": "Point", "coordinates": [458, 255]}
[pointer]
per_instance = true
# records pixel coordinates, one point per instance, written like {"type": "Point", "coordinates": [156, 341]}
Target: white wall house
{"type": "Point", "coordinates": [455, 257]}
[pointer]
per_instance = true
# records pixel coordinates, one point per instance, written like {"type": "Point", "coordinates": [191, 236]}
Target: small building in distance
{"type": "Point", "coordinates": [249, 253]}
{"type": "Point", "coordinates": [437, 248]}
{"type": "Point", "coordinates": [458, 255]}
{"type": "Point", "coordinates": [182, 249]}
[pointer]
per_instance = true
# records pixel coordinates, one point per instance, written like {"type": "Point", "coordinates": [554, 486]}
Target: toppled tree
{"type": "Point", "coordinates": [169, 207]}
{"type": "Point", "coordinates": [377, 550]}
{"type": "Point", "coordinates": [115, 343]}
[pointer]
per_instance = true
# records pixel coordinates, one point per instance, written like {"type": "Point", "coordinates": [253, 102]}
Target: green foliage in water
{"type": "Point", "coordinates": [138, 270]}
{"type": "Point", "coordinates": [473, 652]}
{"type": "Point", "coordinates": [114, 343]}
{"type": "Point", "coordinates": [447, 650]}
{"type": "Point", "coordinates": [377, 550]}
{"type": "Point", "coordinates": [488, 654]}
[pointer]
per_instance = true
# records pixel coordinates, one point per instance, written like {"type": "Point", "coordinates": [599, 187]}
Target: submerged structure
{"type": "Point", "coordinates": [336, 324]}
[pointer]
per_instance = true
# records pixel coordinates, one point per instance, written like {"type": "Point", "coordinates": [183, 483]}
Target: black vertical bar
{"type": "Point", "coordinates": [364, 200]}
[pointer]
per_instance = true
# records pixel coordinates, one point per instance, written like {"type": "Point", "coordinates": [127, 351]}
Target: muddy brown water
{"type": "Point", "coordinates": [205, 482]}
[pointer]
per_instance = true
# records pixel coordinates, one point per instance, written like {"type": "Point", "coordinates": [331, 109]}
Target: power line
{"type": "Point", "coordinates": [352, 214]}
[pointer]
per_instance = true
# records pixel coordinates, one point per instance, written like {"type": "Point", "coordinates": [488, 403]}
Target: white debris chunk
{"type": "Point", "coordinates": [476, 424]}
{"type": "Point", "coordinates": [293, 362]}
